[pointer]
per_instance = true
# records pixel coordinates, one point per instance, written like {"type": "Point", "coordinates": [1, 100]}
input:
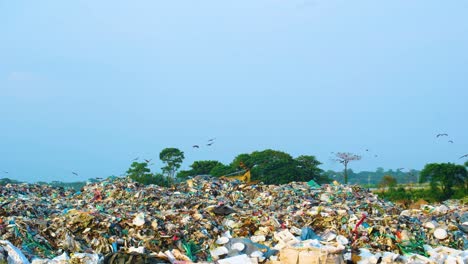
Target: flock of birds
{"type": "Point", "coordinates": [209, 143]}
{"type": "Point", "coordinates": [440, 135]}
{"type": "Point", "coordinates": [444, 135]}
{"type": "Point", "coordinates": [450, 141]}
{"type": "Point", "coordinates": [212, 141]}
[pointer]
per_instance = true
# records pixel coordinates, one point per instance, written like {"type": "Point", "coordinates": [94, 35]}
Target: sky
{"type": "Point", "coordinates": [87, 86]}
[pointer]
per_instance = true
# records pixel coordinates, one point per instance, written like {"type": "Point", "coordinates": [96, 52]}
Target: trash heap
{"type": "Point", "coordinates": [206, 220]}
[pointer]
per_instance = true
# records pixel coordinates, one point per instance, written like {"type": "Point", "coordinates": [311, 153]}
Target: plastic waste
{"type": "Point", "coordinates": [15, 256]}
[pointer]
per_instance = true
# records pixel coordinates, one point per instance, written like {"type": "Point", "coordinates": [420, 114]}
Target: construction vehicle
{"type": "Point", "coordinates": [236, 176]}
{"type": "Point", "coordinates": [244, 177]}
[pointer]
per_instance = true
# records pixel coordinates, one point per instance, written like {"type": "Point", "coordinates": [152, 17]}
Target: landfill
{"type": "Point", "coordinates": [215, 220]}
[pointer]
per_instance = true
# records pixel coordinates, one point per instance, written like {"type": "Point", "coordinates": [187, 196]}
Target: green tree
{"type": "Point", "coordinates": [5, 181]}
{"type": "Point", "coordinates": [277, 167]}
{"type": "Point", "coordinates": [269, 166]}
{"type": "Point", "coordinates": [201, 167]}
{"type": "Point", "coordinates": [308, 167]}
{"type": "Point", "coordinates": [444, 176]}
{"type": "Point", "coordinates": [204, 166]}
{"type": "Point", "coordinates": [173, 159]}
{"type": "Point", "coordinates": [140, 172]}
{"type": "Point", "coordinates": [388, 181]}
{"type": "Point", "coordinates": [221, 169]}
{"type": "Point", "coordinates": [345, 158]}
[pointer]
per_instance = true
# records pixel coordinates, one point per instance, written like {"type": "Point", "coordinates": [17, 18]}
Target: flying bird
{"type": "Point", "coordinates": [440, 135]}
{"type": "Point", "coordinates": [211, 139]}
{"type": "Point", "coordinates": [136, 158]}
{"type": "Point", "coordinates": [209, 144]}
{"type": "Point", "coordinates": [75, 173]}
{"type": "Point", "coordinates": [195, 146]}
{"type": "Point", "coordinates": [451, 141]}
{"type": "Point", "coordinates": [147, 161]}
{"type": "Point", "coordinates": [5, 172]}
{"type": "Point", "coordinates": [367, 149]}
{"type": "Point", "coordinates": [464, 156]}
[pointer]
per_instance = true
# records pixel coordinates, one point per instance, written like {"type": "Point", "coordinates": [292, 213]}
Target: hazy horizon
{"type": "Point", "coordinates": [87, 86]}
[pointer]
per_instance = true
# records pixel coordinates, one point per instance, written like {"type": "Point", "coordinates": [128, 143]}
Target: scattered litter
{"type": "Point", "coordinates": [208, 219]}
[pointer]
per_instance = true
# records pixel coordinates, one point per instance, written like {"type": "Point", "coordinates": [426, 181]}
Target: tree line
{"type": "Point", "coordinates": [278, 167]}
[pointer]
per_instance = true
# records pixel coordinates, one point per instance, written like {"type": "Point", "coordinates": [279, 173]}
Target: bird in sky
{"type": "Point", "coordinates": [136, 158]}
{"type": "Point", "coordinates": [450, 141]}
{"type": "Point", "coordinates": [375, 155]}
{"type": "Point", "coordinates": [147, 161]}
{"type": "Point", "coordinates": [74, 173]}
{"type": "Point", "coordinates": [209, 144]}
{"type": "Point", "coordinates": [195, 146]}
{"type": "Point", "coordinates": [211, 139]}
{"type": "Point", "coordinates": [5, 172]}
{"type": "Point", "coordinates": [441, 135]}
{"type": "Point", "coordinates": [464, 156]}
{"type": "Point", "coordinates": [367, 149]}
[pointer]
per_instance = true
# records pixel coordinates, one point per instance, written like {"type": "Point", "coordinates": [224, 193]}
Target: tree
{"type": "Point", "coordinates": [388, 181]}
{"type": "Point", "coordinates": [201, 167]}
{"type": "Point", "coordinates": [221, 169]}
{"type": "Point", "coordinates": [277, 167]}
{"type": "Point", "coordinates": [308, 166]}
{"type": "Point", "coordinates": [269, 166]}
{"type": "Point", "coordinates": [344, 158]}
{"type": "Point", "coordinates": [204, 166]}
{"type": "Point", "coordinates": [444, 176]}
{"type": "Point", "coordinates": [173, 159]}
{"type": "Point", "coordinates": [139, 172]}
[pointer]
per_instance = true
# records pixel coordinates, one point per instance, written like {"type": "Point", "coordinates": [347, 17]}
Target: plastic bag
{"type": "Point", "coordinates": [15, 256]}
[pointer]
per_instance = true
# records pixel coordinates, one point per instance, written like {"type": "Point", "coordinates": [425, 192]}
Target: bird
{"type": "Point", "coordinates": [367, 149]}
{"type": "Point", "coordinates": [211, 139]}
{"type": "Point", "coordinates": [195, 146]}
{"type": "Point", "coordinates": [75, 173]}
{"type": "Point", "coordinates": [209, 144]}
{"type": "Point", "coordinates": [147, 161]}
{"type": "Point", "coordinates": [400, 169]}
{"type": "Point", "coordinates": [464, 156]}
{"type": "Point", "coordinates": [5, 172]}
{"type": "Point", "coordinates": [375, 155]}
{"type": "Point", "coordinates": [451, 141]}
{"type": "Point", "coordinates": [136, 158]}
{"type": "Point", "coordinates": [440, 135]}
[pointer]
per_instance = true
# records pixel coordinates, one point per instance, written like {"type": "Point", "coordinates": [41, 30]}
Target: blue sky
{"type": "Point", "coordinates": [86, 86]}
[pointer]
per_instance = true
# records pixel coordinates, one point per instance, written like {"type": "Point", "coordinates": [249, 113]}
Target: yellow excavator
{"type": "Point", "coordinates": [245, 177]}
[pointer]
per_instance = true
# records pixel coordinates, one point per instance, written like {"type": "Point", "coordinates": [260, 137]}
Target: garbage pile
{"type": "Point", "coordinates": [206, 220]}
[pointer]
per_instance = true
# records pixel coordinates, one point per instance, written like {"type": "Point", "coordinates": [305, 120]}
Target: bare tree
{"type": "Point", "coordinates": [344, 158]}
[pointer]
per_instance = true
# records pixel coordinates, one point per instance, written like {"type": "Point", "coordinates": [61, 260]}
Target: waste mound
{"type": "Point", "coordinates": [205, 220]}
